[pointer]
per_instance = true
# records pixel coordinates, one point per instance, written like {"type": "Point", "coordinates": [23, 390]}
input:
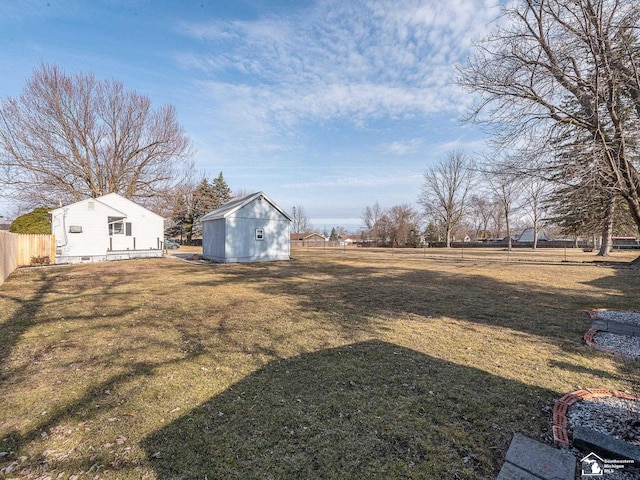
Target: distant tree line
{"type": "Point", "coordinates": [557, 85]}
{"type": "Point", "coordinates": [397, 226]}
{"type": "Point", "coordinates": [462, 198]}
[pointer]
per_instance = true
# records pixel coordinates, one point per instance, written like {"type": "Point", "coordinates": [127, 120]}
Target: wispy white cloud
{"type": "Point", "coordinates": [459, 144]}
{"type": "Point", "coordinates": [357, 60]}
{"type": "Point", "coordinates": [400, 148]}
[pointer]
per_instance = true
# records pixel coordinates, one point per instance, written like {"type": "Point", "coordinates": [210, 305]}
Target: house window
{"type": "Point", "coordinates": [259, 234]}
{"type": "Point", "coordinates": [117, 226]}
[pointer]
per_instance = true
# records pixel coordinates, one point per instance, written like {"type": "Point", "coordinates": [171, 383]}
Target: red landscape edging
{"type": "Point", "coordinates": [561, 407]}
{"type": "Point", "coordinates": [590, 342]}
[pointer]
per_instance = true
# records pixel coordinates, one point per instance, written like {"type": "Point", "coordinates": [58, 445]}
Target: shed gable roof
{"type": "Point", "coordinates": [234, 205]}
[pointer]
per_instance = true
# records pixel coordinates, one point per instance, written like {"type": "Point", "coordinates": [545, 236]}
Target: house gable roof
{"type": "Point", "coordinates": [527, 235]}
{"type": "Point", "coordinates": [307, 236]}
{"type": "Point", "coordinates": [106, 201]}
{"type": "Point", "coordinates": [234, 205]}
{"type": "Point", "coordinates": [114, 211]}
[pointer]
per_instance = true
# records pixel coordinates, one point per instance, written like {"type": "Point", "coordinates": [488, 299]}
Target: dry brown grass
{"type": "Point", "coordinates": [338, 364]}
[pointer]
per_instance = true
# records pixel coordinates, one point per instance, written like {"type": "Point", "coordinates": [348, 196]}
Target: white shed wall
{"type": "Point", "coordinates": [240, 243]}
{"type": "Point", "coordinates": [213, 236]}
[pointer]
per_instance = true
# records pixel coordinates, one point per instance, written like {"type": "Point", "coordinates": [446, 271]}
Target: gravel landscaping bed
{"type": "Point", "coordinates": [620, 316]}
{"type": "Point", "coordinates": [615, 331]}
{"type": "Point", "coordinates": [622, 343]}
{"type": "Point", "coordinates": [617, 417]}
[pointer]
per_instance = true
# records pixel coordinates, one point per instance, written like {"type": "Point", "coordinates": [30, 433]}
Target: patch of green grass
{"type": "Point", "coordinates": [333, 365]}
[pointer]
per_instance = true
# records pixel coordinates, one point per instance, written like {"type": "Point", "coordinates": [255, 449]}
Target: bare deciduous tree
{"type": "Point", "coordinates": [535, 191]}
{"type": "Point", "coordinates": [403, 226]}
{"type": "Point", "coordinates": [481, 212]}
{"type": "Point", "coordinates": [300, 221]}
{"type": "Point", "coordinates": [566, 68]}
{"type": "Point", "coordinates": [372, 218]}
{"type": "Point", "coordinates": [505, 187]}
{"type": "Point", "coordinates": [68, 137]}
{"type": "Point", "coordinates": [240, 192]}
{"type": "Point", "coordinates": [445, 190]}
{"type": "Point", "coordinates": [398, 226]}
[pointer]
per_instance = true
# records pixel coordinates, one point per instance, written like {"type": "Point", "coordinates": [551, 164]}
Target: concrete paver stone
{"type": "Point", "coordinates": [511, 472]}
{"type": "Point", "coordinates": [537, 459]}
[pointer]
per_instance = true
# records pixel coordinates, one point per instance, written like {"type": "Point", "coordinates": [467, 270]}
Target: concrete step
{"type": "Point", "coordinates": [528, 459]}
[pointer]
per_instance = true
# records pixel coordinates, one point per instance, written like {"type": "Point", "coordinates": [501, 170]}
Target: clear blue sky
{"type": "Point", "coordinates": [332, 105]}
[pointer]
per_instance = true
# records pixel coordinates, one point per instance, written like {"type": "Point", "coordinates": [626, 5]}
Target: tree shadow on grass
{"type": "Point", "coordinates": [11, 331]}
{"type": "Point", "coordinates": [353, 296]}
{"type": "Point", "coordinates": [367, 410]}
{"type": "Point", "coordinates": [624, 284]}
{"type": "Point", "coordinates": [44, 291]}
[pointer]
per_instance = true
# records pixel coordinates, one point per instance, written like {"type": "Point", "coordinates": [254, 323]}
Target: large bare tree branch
{"type": "Point", "coordinates": [68, 137]}
{"type": "Point", "coordinates": [570, 67]}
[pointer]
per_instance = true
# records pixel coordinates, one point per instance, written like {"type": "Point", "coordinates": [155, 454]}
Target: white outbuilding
{"type": "Point", "coordinates": [109, 227]}
{"type": "Point", "coordinates": [247, 229]}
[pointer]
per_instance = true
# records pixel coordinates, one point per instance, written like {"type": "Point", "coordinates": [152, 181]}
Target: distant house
{"type": "Point", "coordinates": [310, 239]}
{"type": "Point", "coordinates": [527, 235]}
{"type": "Point", "coordinates": [109, 227]}
{"type": "Point", "coordinates": [247, 229]}
{"type": "Point", "coordinates": [307, 237]}
{"type": "Point", "coordinates": [344, 240]}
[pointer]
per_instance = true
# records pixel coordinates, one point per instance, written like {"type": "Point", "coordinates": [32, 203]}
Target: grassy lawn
{"type": "Point", "coordinates": [337, 364]}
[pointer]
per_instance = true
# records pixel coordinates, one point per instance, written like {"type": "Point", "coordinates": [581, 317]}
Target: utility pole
{"type": "Point", "coordinates": [295, 227]}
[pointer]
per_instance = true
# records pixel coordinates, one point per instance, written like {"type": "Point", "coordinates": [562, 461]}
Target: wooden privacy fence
{"type": "Point", "coordinates": [17, 250]}
{"type": "Point", "coordinates": [8, 254]}
{"type": "Point", "coordinates": [36, 249]}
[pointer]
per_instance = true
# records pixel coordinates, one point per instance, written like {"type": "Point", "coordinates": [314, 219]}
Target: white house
{"type": "Point", "coordinates": [248, 229]}
{"type": "Point", "coordinates": [109, 227]}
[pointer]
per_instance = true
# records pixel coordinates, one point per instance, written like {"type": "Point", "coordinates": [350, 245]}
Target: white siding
{"type": "Point", "coordinates": [82, 229]}
{"type": "Point", "coordinates": [147, 228]}
{"type": "Point", "coordinates": [213, 245]}
{"type": "Point", "coordinates": [240, 243]}
{"type": "Point", "coordinates": [88, 216]}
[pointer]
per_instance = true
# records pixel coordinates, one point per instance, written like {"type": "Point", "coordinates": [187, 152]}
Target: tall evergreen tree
{"type": "Point", "coordinates": [194, 201]}
{"type": "Point", "coordinates": [220, 191]}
